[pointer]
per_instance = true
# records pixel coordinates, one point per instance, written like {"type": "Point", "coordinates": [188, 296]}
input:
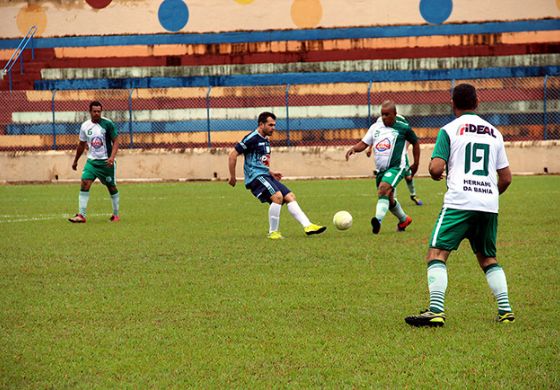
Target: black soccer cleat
{"type": "Point", "coordinates": [426, 318]}
{"type": "Point", "coordinates": [375, 225]}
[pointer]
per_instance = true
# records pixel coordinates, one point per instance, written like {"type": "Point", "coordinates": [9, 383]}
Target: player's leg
{"type": "Point", "coordinates": [412, 189]}
{"type": "Point", "coordinates": [115, 202]}
{"type": "Point", "coordinates": [386, 182]}
{"type": "Point", "coordinates": [274, 210]}
{"type": "Point", "coordinates": [109, 179]}
{"type": "Point", "coordinates": [88, 177]}
{"type": "Point", "coordinates": [483, 243]}
{"type": "Point", "coordinates": [263, 188]}
{"type": "Point", "coordinates": [295, 210]}
{"type": "Point", "coordinates": [396, 209]}
{"type": "Point", "coordinates": [450, 229]}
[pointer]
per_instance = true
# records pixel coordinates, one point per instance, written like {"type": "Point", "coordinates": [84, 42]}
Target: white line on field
{"type": "Point", "coordinates": [21, 218]}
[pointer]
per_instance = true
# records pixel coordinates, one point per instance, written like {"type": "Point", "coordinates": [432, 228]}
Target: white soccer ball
{"type": "Point", "coordinates": [342, 220]}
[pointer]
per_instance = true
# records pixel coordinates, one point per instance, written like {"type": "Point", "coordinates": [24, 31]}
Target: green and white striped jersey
{"type": "Point", "coordinates": [99, 138]}
{"type": "Point", "coordinates": [389, 143]}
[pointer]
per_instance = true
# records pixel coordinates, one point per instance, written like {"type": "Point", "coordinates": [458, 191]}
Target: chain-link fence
{"type": "Point", "coordinates": [308, 115]}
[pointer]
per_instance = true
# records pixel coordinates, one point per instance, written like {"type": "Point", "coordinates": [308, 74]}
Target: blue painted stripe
{"type": "Point", "coordinates": [297, 78]}
{"type": "Point", "coordinates": [305, 124]}
{"type": "Point", "coordinates": [293, 35]}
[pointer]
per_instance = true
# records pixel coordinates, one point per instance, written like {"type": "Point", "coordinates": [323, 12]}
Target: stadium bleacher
{"type": "Point", "coordinates": [206, 89]}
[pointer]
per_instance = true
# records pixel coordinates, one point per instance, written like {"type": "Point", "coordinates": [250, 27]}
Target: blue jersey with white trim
{"type": "Point", "coordinates": [256, 150]}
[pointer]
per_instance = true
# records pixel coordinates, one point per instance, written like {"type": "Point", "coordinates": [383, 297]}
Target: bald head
{"type": "Point", "coordinates": [388, 112]}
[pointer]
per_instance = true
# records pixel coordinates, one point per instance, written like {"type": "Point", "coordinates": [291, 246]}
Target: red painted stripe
{"type": "Point", "coordinates": [243, 57]}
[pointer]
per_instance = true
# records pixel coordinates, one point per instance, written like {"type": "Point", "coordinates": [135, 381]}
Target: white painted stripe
{"type": "Point", "coordinates": [408, 64]}
{"type": "Point", "coordinates": [332, 111]}
{"type": "Point", "coordinates": [438, 226]}
{"type": "Point", "coordinates": [21, 218]}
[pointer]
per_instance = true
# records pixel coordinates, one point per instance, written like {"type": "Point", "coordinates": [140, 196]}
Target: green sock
{"type": "Point", "coordinates": [437, 284]}
{"type": "Point", "coordinates": [496, 278]}
{"type": "Point", "coordinates": [397, 211]}
{"type": "Point", "coordinates": [382, 207]}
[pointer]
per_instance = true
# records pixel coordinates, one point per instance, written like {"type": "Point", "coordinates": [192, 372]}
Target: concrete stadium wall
{"type": "Point", "coordinates": [534, 157]}
{"type": "Point", "coordinates": [95, 17]}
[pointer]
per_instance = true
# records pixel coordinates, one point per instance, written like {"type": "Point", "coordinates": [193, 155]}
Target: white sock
{"type": "Point", "coordinates": [274, 217]}
{"type": "Point", "coordinates": [115, 199]}
{"type": "Point", "coordinates": [496, 278]}
{"type": "Point", "coordinates": [411, 189]}
{"type": "Point", "coordinates": [381, 209]}
{"type": "Point", "coordinates": [298, 214]}
{"type": "Point", "coordinates": [82, 202]}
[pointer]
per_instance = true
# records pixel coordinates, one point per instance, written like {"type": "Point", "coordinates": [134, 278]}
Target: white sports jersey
{"type": "Point", "coordinates": [99, 137]}
{"type": "Point", "coordinates": [389, 143]}
{"type": "Point", "coordinates": [474, 151]}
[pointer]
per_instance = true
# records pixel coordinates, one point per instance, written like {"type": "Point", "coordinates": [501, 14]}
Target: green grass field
{"type": "Point", "coordinates": [186, 291]}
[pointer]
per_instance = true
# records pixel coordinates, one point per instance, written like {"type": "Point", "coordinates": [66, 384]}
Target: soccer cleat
{"type": "Point", "coordinates": [506, 317]}
{"type": "Point", "coordinates": [275, 235]}
{"type": "Point", "coordinates": [78, 218]}
{"type": "Point", "coordinates": [114, 218]}
{"type": "Point", "coordinates": [416, 201]}
{"type": "Point", "coordinates": [401, 227]}
{"type": "Point", "coordinates": [426, 318]}
{"type": "Point", "coordinates": [314, 229]}
{"type": "Point", "coordinates": [375, 225]}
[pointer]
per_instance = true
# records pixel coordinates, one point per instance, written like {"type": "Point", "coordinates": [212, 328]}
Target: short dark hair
{"type": "Point", "coordinates": [95, 103]}
{"type": "Point", "coordinates": [464, 97]}
{"type": "Point", "coordinates": [263, 117]}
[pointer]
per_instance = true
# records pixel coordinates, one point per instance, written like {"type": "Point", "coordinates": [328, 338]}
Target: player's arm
{"type": "Point", "coordinates": [416, 156]}
{"type": "Point", "coordinates": [79, 151]}
{"type": "Point", "coordinates": [232, 163]}
{"type": "Point", "coordinates": [369, 150]}
{"type": "Point", "coordinates": [412, 138]}
{"type": "Point", "coordinates": [440, 155]}
{"type": "Point", "coordinates": [357, 148]}
{"type": "Point", "coordinates": [276, 175]}
{"type": "Point", "coordinates": [437, 167]}
{"type": "Point", "coordinates": [504, 179]}
{"type": "Point", "coordinates": [111, 159]}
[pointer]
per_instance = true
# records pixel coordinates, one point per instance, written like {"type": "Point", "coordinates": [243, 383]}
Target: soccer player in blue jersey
{"type": "Point", "coordinates": [264, 183]}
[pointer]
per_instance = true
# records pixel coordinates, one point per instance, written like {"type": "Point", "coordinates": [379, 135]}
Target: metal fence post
{"type": "Point", "coordinates": [287, 101]}
{"type": "Point", "coordinates": [545, 115]}
{"type": "Point", "coordinates": [208, 116]}
{"type": "Point", "coordinates": [131, 144]}
{"type": "Point", "coordinates": [53, 119]}
{"type": "Point", "coordinates": [369, 120]}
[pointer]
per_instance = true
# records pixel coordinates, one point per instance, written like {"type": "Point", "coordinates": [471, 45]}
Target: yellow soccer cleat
{"type": "Point", "coordinates": [276, 235]}
{"type": "Point", "coordinates": [506, 318]}
{"type": "Point", "coordinates": [314, 229]}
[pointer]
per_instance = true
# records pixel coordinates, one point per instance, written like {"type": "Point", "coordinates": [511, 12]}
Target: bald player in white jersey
{"type": "Point", "coordinates": [472, 151]}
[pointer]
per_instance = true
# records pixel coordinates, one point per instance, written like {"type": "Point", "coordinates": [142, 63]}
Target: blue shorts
{"type": "Point", "coordinates": [263, 187]}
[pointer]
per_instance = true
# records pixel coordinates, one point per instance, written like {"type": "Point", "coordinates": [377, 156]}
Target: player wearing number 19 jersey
{"type": "Point", "coordinates": [472, 151]}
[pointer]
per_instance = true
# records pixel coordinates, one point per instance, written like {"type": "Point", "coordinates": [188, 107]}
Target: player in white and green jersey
{"type": "Point", "coordinates": [389, 138]}
{"type": "Point", "coordinates": [472, 152]}
{"type": "Point", "coordinates": [408, 177]}
{"type": "Point", "coordinates": [101, 137]}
